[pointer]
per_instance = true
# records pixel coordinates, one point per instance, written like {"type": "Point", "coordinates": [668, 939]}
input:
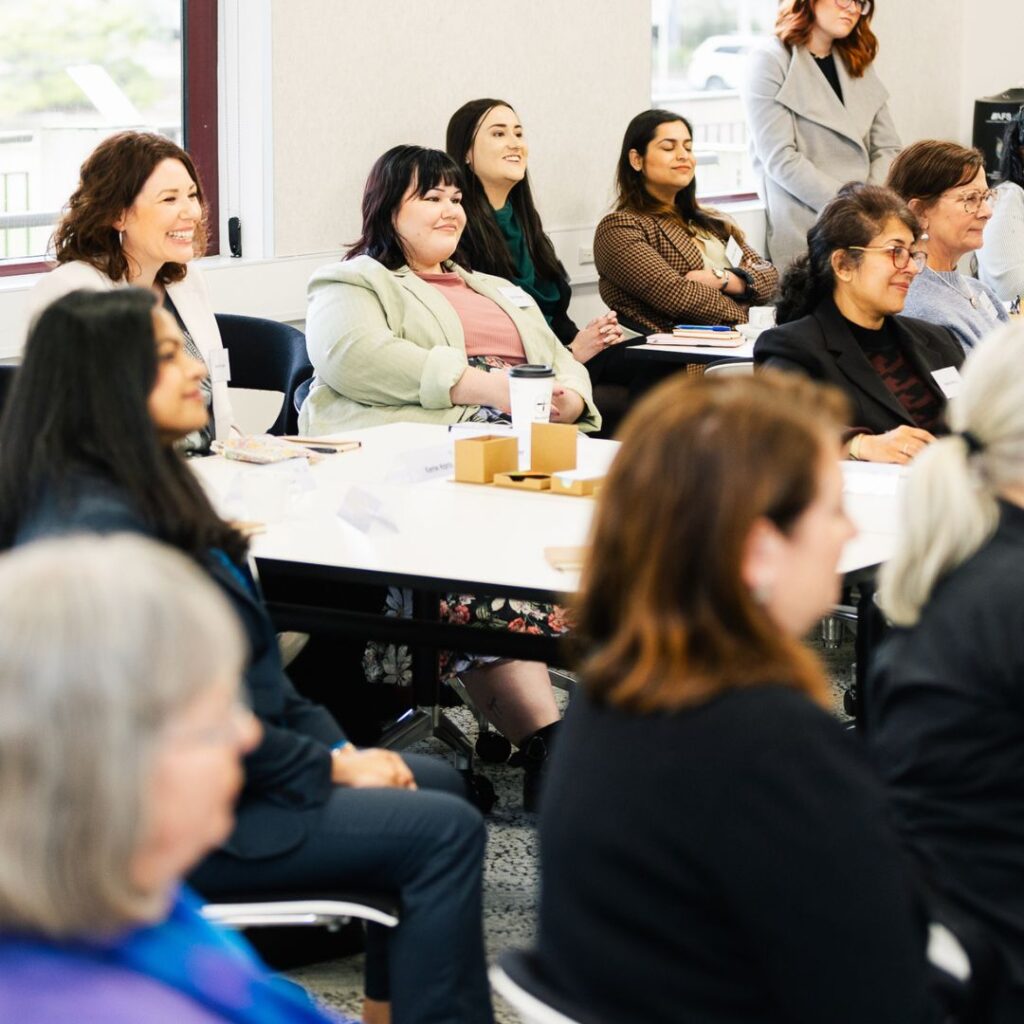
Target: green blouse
{"type": "Point", "coordinates": [544, 293]}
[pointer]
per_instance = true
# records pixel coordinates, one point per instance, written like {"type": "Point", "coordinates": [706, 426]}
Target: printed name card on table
{"type": "Point", "coordinates": [420, 464]}
{"type": "Point", "coordinates": [872, 478]}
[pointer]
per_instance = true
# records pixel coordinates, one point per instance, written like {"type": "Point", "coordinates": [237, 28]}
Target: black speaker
{"type": "Point", "coordinates": [991, 116]}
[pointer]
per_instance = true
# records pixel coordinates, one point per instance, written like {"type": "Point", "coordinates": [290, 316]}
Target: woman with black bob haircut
{"type": "Point", "coordinates": [504, 235]}
{"type": "Point", "coordinates": [838, 323]}
{"type": "Point", "coordinates": [663, 258]}
{"type": "Point", "coordinates": [87, 445]}
{"type": "Point", "coordinates": [1001, 259]}
{"type": "Point", "coordinates": [401, 329]}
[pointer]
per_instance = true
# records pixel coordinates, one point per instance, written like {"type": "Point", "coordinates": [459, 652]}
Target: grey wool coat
{"type": "Point", "coordinates": [805, 143]}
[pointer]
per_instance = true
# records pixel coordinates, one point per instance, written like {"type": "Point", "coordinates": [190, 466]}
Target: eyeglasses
{"type": "Point", "coordinates": [864, 6]}
{"type": "Point", "coordinates": [233, 726]}
{"type": "Point", "coordinates": [901, 255]}
{"type": "Point", "coordinates": [973, 200]}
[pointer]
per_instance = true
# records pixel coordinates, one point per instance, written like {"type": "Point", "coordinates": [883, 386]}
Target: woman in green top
{"type": "Point", "coordinates": [504, 236]}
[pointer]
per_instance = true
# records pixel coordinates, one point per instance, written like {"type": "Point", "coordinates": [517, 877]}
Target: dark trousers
{"type": "Point", "coordinates": [427, 847]}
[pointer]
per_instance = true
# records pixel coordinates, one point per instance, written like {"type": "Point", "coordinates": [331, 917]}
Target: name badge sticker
{"type": "Point", "coordinates": [949, 381]}
{"type": "Point", "coordinates": [516, 295]}
{"type": "Point", "coordinates": [986, 304]}
{"type": "Point", "coordinates": [734, 252]}
{"type": "Point", "coordinates": [220, 366]}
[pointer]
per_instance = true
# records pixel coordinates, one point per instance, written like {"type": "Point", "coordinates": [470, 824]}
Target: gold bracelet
{"type": "Point", "coordinates": [855, 447]}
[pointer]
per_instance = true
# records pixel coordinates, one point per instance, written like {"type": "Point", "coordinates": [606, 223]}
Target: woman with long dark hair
{"type": "Point", "coordinates": [662, 257]}
{"type": "Point", "coordinates": [705, 807]}
{"type": "Point", "coordinates": [839, 322]}
{"type": "Point", "coordinates": [504, 235]}
{"type": "Point", "coordinates": [1001, 259]}
{"type": "Point", "coordinates": [87, 445]}
{"type": "Point", "coordinates": [817, 113]}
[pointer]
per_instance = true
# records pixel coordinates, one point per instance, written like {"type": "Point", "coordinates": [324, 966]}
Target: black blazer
{"type": "Point", "coordinates": [289, 773]}
{"type": "Point", "coordinates": [945, 729]}
{"type": "Point", "coordinates": [823, 347]}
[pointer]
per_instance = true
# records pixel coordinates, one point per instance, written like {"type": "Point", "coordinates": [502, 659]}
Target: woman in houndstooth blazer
{"type": "Point", "coordinates": [662, 258]}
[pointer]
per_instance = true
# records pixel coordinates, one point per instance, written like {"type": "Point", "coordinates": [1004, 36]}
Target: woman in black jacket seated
{"type": "Point", "coordinates": [713, 849]}
{"type": "Point", "coordinates": [87, 444]}
{"type": "Point", "coordinates": [945, 707]}
{"type": "Point", "coordinates": [838, 315]}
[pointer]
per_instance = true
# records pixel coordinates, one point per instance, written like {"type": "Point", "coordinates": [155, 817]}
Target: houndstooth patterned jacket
{"type": "Point", "coordinates": [642, 260]}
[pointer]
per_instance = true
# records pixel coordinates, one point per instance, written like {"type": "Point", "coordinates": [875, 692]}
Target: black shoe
{"type": "Point", "coordinates": [533, 754]}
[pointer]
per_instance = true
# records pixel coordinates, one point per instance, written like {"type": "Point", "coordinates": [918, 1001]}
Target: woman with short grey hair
{"type": "Point", "coordinates": [121, 738]}
{"type": "Point", "coordinates": [946, 699]}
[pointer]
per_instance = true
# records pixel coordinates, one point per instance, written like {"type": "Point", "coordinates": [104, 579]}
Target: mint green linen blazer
{"type": "Point", "coordinates": [387, 348]}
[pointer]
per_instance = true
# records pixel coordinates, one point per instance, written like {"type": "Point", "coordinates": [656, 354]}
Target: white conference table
{"type": "Point", "coordinates": [389, 514]}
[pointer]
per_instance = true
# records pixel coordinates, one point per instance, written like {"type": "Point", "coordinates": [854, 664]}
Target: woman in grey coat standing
{"type": "Point", "coordinates": [816, 122]}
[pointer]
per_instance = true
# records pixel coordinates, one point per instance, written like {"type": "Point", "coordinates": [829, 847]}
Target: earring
{"type": "Point", "coordinates": [120, 239]}
{"type": "Point", "coordinates": [761, 593]}
{"type": "Point", "coordinates": [924, 237]}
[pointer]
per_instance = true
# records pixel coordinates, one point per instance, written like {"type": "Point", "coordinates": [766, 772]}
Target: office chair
{"type": "Point", "coordinates": [732, 369]}
{"type": "Point", "coordinates": [519, 979]}
{"type": "Point", "coordinates": [267, 356]}
{"type": "Point", "coordinates": [328, 910]}
{"type": "Point", "coordinates": [7, 371]}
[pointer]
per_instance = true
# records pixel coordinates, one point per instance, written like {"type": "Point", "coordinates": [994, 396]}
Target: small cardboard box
{"type": "Point", "coordinates": [477, 459]}
{"type": "Point", "coordinates": [576, 482]}
{"type": "Point", "coordinates": [524, 480]}
{"type": "Point", "coordinates": [553, 447]}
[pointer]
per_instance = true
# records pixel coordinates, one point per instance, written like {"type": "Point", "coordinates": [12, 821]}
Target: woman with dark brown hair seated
{"type": "Point", "coordinates": [713, 849]}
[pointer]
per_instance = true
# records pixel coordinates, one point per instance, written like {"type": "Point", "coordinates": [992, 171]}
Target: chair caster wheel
{"type": "Point", "coordinates": [493, 748]}
{"type": "Point", "coordinates": [480, 792]}
{"type": "Point", "coordinates": [850, 703]}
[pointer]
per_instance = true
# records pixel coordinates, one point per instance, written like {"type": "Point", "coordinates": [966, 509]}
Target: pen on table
{"type": "Point", "coordinates": [700, 327]}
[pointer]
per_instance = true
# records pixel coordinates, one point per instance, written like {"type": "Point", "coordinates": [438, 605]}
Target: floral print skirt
{"type": "Point", "coordinates": [392, 663]}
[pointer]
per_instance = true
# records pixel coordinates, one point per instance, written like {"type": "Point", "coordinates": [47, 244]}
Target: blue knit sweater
{"type": "Point", "coordinates": [944, 298]}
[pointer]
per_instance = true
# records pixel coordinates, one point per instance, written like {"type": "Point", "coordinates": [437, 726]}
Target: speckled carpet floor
{"type": "Point", "coordinates": [510, 872]}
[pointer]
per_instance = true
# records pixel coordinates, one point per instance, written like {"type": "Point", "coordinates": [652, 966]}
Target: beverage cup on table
{"type": "Point", "coordinates": [529, 386]}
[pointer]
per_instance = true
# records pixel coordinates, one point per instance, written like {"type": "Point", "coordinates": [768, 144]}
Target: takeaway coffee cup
{"type": "Point", "coordinates": [529, 387]}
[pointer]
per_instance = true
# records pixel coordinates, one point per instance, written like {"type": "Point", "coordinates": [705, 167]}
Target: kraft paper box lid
{"type": "Point", "coordinates": [553, 447]}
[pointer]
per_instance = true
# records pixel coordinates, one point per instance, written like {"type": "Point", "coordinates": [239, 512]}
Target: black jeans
{"type": "Point", "coordinates": [427, 847]}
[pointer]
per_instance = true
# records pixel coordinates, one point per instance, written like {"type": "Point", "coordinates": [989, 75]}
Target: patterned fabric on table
{"type": "Point", "coordinates": [392, 663]}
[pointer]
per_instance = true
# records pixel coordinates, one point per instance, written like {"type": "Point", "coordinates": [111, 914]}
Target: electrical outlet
{"type": "Point", "coordinates": [585, 255]}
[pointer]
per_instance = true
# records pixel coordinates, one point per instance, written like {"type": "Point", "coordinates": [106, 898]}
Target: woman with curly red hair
{"type": "Point", "coordinates": [816, 122]}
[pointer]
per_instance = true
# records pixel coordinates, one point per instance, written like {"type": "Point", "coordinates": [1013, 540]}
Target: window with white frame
{"type": "Point", "coordinates": [73, 72]}
{"type": "Point", "coordinates": [700, 49]}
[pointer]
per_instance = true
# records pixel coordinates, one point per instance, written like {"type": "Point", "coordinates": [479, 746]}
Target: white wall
{"type": "Point", "coordinates": [937, 57]}
{"type": "Point", "coordinates": [351, 80]}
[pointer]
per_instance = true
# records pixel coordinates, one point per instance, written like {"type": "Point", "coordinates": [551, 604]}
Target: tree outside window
{"type": "Point", "coordinates": [71, 73]}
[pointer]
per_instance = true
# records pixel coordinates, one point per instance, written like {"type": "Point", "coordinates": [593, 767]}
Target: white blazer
{"type": "Point", "coordinates": [805, 143]}
{"type": "Point", "coordinates": [190, 298]}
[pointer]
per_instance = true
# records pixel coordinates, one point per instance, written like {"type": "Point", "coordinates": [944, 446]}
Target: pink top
{"type": "Point", "coordinates": [489, 330]}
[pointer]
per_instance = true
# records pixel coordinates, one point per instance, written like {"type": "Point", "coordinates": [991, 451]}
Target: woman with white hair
{"type": "Point", "coordinates": [121, 743]}
{"type": "Point", "coordinates": [87, 444]}
{"type": "Point", "coordinates": [946, 698]}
